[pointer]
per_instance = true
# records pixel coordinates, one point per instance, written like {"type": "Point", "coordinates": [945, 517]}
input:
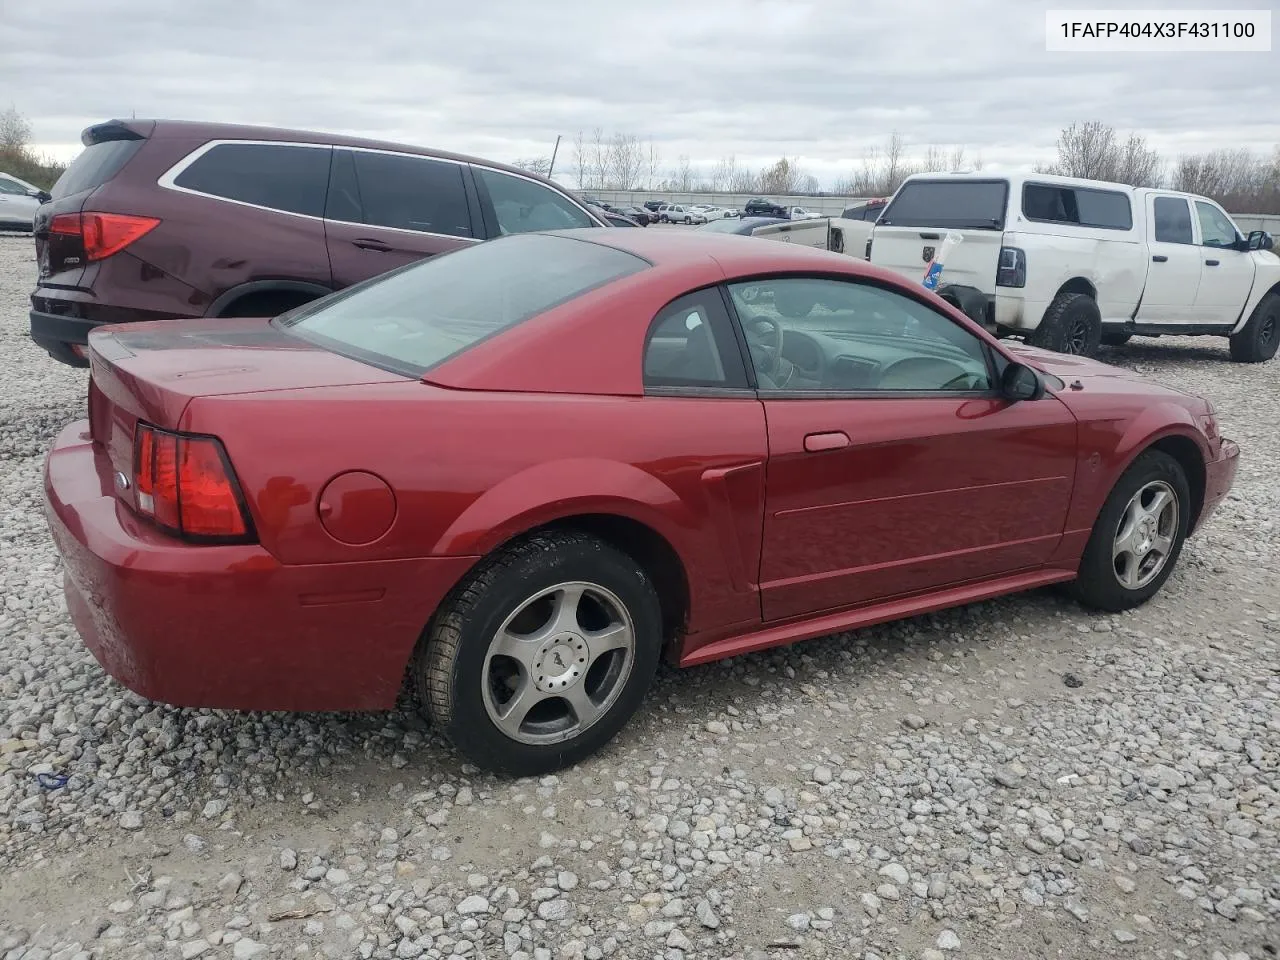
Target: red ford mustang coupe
{"type": "Point", "coordinates": [525, 471]}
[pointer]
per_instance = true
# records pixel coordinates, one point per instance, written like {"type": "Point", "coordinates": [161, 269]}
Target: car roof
{"type": "Point", "coordinates": [677, 248]}
{"type": "Point", "coordinates": [196, 129]}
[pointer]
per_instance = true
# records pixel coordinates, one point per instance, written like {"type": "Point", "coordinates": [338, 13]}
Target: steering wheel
{"type": "Point", "coordinates": [765, 342]}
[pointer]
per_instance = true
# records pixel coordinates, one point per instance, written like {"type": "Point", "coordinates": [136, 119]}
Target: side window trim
{"type": "Point", "coordinates": [739, 379]}
{"type": "Point", "coordinates": [991, 356]}
{"type": "Point", "coordinates": [166, 179]}
{"type": "Point", "coordinates": [486, 202]}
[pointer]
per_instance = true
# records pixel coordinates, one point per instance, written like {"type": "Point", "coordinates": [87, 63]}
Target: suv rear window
{"type": "Point", "coordinates": [413, 318]}
{"type": "Point", "coordinates": [1052, 203]}
{"type": "Point", "coordinates": [280, 176]}
{"type": "Point", "coordinates": [964, 204]}
{"type": "Point", "coordinates": [94, 166]}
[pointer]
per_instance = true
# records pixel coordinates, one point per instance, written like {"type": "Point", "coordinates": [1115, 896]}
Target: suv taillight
{"type": "Point", "coordinates": [1012, 271]}
{"type": "Point", "coordinates": [186, 486]}
{"type": "Point", "coordinates": [102, 233]}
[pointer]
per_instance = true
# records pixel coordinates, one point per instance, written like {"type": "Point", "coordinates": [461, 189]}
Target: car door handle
{"type": "Point", "coordinates": [832, 440]}
{"type": "Point", "coordinates": [1211, 263]}
{"type": "Point", "coordinates": [1159, 258]}
{"type": "Point", "coordinates": [369, 243]}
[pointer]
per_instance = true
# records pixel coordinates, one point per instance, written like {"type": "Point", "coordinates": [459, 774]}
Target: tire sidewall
{"type": "Point", "coordinates": [1062, 316]}
{"type": "Point", "coordinates": [1097, 568]}
{"type": "Point", "coordinates": [470, 728]}
{"type": "Point", "coordinates": [1252, 333]}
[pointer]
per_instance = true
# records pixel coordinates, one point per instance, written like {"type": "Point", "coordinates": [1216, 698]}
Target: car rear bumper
{"type": "Point", "coordinates": [1219, 476]}
{"type": "Point", "coordinates": [229, 626]}
{"type": "Point", "coordinates": [57, 334]}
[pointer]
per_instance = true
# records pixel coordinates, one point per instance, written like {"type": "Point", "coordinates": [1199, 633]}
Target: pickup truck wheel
{"type": "Point", "coordinates": [1115, 339]}
{"type": "Point", "coordinates": [542, 655]}
{"type": "Point", "coordinates": [1137, 537]}
{"type": "Point", "coordinates": [1257, 341]}
{"type": "Point", "coordinates": [1072, 324]}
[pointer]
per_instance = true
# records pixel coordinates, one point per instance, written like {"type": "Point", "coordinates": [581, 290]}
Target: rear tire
{"type": "Point", "coordinates": [1258, 339]}
{"type": "Point", "coordinates": [1116, 572]}
{"type": "Point", "coordinates": [1115, 339]}
{"type": "Point", "coordinates": [513, 636]}
{"type": "Point", "coordinates": [1072, 325]}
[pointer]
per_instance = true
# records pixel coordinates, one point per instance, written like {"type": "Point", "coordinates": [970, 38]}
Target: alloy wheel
{"type": "Point", "coordinates": [1145, 535]}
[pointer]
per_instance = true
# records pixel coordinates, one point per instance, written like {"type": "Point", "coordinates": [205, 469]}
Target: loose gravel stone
{"type": "Point", "coordinates": [937, 769]}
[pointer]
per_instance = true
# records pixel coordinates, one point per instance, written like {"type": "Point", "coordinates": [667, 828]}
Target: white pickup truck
{"type": "Point", "coordinates": [1069, 264]}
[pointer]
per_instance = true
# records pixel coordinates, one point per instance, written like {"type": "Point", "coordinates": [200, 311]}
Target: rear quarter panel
{"type": "Point", "coordinates": [1113, 261]}
{"type": "Point", "coordinates": [472, 470]}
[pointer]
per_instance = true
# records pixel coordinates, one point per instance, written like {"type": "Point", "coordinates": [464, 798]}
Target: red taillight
{"type": "Point", "coordinates": [185, 484]}
{"type": "Point", "coordinates": [102, 233]}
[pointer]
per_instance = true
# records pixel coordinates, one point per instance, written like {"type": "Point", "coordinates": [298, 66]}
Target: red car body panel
{"type": "Point", "coordinates": [372, 494]}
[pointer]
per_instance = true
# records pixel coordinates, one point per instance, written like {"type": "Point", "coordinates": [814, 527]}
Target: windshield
{"type": "Point", "coordinates": [411, 319]}
{"type": "Point", "coordinates": [972, 204]}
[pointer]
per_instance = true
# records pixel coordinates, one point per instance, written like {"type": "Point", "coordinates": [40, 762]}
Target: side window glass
{"type": "Point", "coordinates": [412, 193]}
{"type": "Point", "coordinates": [1172, 220]}
{"type": "Point", "coordinates": [1215, 229]}
{"type": "Point", "coordinates": [691, 344]}
{"type": "Point", "coordinates": [522, 205]}
{"type": "Point", "coordinates": [12, 187]}
{"type": "Point", "coordinates": [821, 335]}
{"type": "Point", "coordinates": [280, 176]}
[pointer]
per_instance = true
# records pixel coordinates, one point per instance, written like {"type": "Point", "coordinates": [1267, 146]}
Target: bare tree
{"type": "Point", "coordinates": [783, 177]}
{"type": "Point", "coordinates": [625, 162]}
{"type": "Point", "coordinates": [957, 158]}
{"type": "Point", "coordinates": [743, 180]}
{"type": "Point", "coordinates": [15, 131]}
{"type": "Point", "coordinates": [682, 176]}
{"type": "Point", "coordinates": [935, 160]}
{"type": "Point", "coordinates": [1239, 180]}
{"type": "Point", "coordinates": [539, 165]}
{"type": "Point", "coordinates": [581, 162]}
{"type": "Point", "coordinates": [723, 172]}
{"type": "Point", "coordinates": [1091, 151]}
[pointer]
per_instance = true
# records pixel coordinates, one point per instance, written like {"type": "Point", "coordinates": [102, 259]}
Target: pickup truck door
{"type": "Point", "coordinates": [1226, 275]}
{"type": "Point", "coordinates": [805, 233]}
{"type": "Point", "coordinates": [1173, 275]}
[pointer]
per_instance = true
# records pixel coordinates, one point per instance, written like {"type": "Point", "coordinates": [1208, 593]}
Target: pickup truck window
{"type": "Point", "coordinates": [963, 204]}
{"type": "Point", "coordinates": [1051, 203]}
{"type": "Point", "coordinates": [1173, 220]}
{"type": "Point", "coordinates": [1215, 229]}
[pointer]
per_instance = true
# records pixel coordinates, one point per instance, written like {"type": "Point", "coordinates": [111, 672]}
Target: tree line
{"type": "Point", "coordinates": [17, 157]}
{"type": "Point", "coordinates": [1241, 181]}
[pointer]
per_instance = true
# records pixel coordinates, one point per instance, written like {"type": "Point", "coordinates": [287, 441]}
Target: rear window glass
{"type": "Point", "coordinates": [1051, 203]}
{"type": "Point", "coordinates": [94, 166]}
{"type": "Point", "coordinates": [280, 176]}
{"type": "Point", "coordinates": [416, 317]}
{"type": "Point", "coordinates": [964, 204]}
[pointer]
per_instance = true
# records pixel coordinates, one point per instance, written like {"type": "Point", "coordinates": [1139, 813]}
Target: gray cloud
{"type": "Point", "coordinates": [819, 79]}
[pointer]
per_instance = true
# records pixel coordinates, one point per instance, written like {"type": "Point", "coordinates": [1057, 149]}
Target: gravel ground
{"type": "Point", "coordinates": [1016, 779]}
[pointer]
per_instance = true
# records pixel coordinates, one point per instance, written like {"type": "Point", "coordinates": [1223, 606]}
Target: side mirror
{"type": "Point", "coordinates": [1260, 240]}
{"type": "Point", "coordinates": [41, 195]}
{"type": "Point", "coordinates": [1020, 382]}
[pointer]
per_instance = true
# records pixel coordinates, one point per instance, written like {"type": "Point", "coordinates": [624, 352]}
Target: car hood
{"type": "Point", "coordinates": [1095, 376]}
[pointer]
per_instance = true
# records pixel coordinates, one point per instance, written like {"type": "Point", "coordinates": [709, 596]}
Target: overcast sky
{"type": "Point", "coordinates": [822, 80]}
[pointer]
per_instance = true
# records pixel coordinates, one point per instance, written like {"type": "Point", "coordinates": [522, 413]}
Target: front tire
{"type": "Point", "coordinates": [542, 655]}
{"type": "Point", "coordinates": [1258, 339]}
{"type": "Point", "coordinates": [1072, 325]}
{"type": "Point", "coordinates": [1138, 536]}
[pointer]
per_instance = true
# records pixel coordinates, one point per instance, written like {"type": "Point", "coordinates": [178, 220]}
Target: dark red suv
{"type": "Point", "coordinates": [159, 218]}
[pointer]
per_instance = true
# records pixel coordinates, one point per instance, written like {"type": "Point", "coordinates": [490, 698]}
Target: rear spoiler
{"type": "Point", "coordinates": [117, 130]}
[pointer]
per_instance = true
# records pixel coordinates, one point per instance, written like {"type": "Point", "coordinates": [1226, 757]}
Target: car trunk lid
{"type": "Point", "coordinates": [152, 371]}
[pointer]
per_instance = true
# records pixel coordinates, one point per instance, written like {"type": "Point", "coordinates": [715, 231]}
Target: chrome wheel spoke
{"type": "Point", "coordinates": [614, 637]}
{"type": "Point", "coordinates": [1162, 545]}
{"type": "Point", "coordinates": [1129, 566]}
{"type": "Point", "coordinates": [518, 648]}
{"type": "Point", "coordinates": [511, 715]}
{"type": "Point", "coordinates": [584, 708]}
{"type": "Point", "coordinates": [1161, 500]}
